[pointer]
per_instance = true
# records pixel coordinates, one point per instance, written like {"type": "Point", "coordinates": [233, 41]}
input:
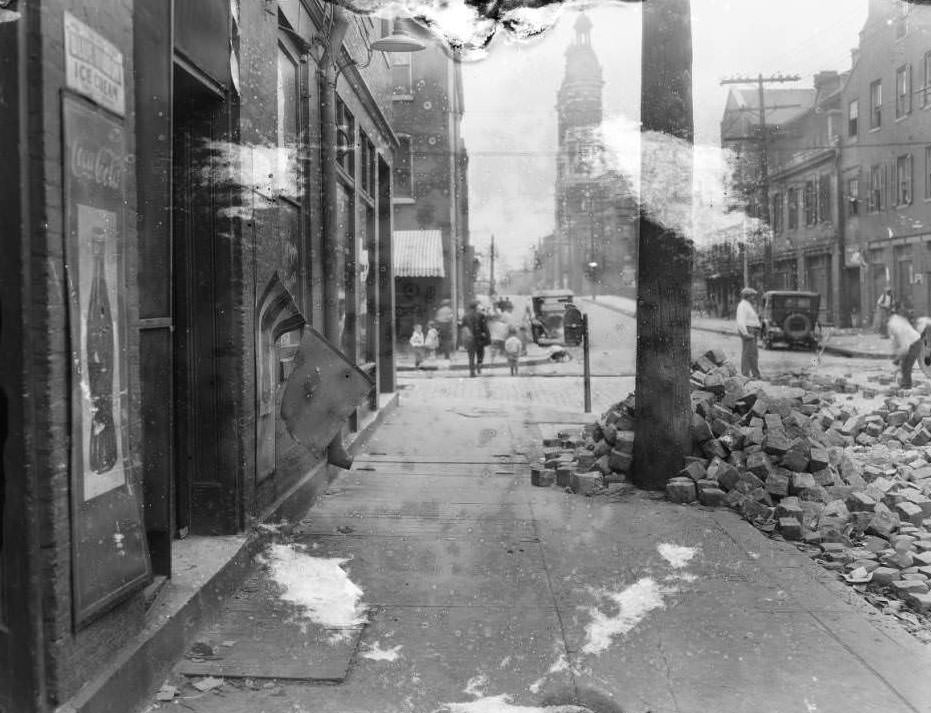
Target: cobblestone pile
{"type": "Point", "coordinates": [853, 489]}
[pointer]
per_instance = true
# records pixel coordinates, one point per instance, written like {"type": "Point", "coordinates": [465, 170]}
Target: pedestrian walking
{"type": "Point", "coordinates": [417, 342]}
{"type": "Point", "coordinates": [748, 326]}
{"type": "Point", "coordinates": [431, 341]}
{"type": "Point", "coordinates": [498, 329]}
{"type": "Point", "coordinates": [512, 347]}
{"type": "Point", "coordinates": [884, 307]}
{"type": "Point", "coordinates": [475, 337]}
{"type": "Point", "coordinates": [444, 318]}
{"type": "Point", "coordinates": [906, 344]}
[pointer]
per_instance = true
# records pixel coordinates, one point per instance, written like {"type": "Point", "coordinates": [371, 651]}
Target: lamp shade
{"type": "Point", "coordinates": [398, 41]}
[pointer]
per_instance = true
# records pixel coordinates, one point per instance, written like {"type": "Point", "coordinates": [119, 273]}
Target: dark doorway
{"type": "Point", "coordinates": [20, 615]}
{"type": "Point", "coordinates": [386, 297]}
{"type": "Point", "coordinates": [204, 501]}
{"type": "Point", "coordinates": [852, 297]}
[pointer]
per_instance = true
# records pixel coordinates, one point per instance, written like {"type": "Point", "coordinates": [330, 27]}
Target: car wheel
{"type": "Point", "coordinates": [797, 327]}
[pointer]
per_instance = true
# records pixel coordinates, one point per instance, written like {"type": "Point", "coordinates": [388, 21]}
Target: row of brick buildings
{"type": "Point", "coordinates": [841, 175]}
{"type": "Point", "coordinates": [192, 192]}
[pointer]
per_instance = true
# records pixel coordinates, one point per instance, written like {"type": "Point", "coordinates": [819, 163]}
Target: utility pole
{"type": "Point", "coordinates": [662, 401]}
{"type": "Point", "coordinates": [491, 269]}
{"type": "Point", "coordinates": [763, 212]}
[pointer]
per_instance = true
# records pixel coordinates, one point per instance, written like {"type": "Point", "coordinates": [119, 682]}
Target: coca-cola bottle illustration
{"type": "Point", "coordinates": [99, 345]}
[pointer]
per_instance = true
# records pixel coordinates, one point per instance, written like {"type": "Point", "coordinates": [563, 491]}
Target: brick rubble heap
{"type": "Point", "coordinates": [855, 487]}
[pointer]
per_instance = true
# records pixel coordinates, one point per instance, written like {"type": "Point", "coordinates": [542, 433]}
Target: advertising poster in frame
{"type": "Point", "coordinates": [109, 553]}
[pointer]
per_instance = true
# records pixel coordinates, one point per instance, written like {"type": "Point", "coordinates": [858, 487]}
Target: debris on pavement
{"type": "Point", "coordinates": [207, 684]}
{"type": "Point", "coordinates": [850, 486]}
{"type": "Point", "coordinates": [166, 693]}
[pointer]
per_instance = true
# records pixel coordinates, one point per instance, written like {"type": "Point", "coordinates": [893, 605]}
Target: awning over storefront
{"type": "Point", "coordinates": [418, 253]}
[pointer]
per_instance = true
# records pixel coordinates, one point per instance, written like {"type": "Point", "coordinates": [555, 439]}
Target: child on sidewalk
{"type": "Point", "coordinates": [417, 341]}
{"type": "Point", "coordinates": [512, 347]}
{"type": "Point", "coordinates": [431, 341]}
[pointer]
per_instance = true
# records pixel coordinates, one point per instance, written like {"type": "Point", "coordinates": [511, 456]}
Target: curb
{"type": "Point", "coordinates": [828, 349]}
{"type": "Point", "coordinates": [465, 367]}
{"type": "Point", "coordinates": [140, 667]}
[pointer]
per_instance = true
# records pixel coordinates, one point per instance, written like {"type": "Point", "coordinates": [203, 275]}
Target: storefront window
{"type": "Point", "coordinates": [346, 300]}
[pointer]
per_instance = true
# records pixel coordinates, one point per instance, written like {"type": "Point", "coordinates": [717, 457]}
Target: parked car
{"type": "Point", "coordinates": [790, 318]}
{"type": "Point", "coordinates": [549, 309]}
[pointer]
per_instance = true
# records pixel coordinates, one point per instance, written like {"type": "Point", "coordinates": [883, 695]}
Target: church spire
{"type": "Point", "coordinates": [579, 98]}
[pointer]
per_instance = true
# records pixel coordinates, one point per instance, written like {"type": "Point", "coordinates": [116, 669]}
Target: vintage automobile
{"type": "Point", "coordinates": [549, 311]}
{"type": "Point", "coordinates": [790, 318]}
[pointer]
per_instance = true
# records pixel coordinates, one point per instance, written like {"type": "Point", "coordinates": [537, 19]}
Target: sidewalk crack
{"type": "Point", "coordinates": [570, 655]}
{"type": "Point", "coordinates": [668, 672]}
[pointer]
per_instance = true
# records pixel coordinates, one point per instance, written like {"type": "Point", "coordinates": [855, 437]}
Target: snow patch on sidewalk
{"type": "Point", "coordinates": [318, 586]}
{"type": "Point", "coordinates": [376, 653]}
{"type": "Point", "coordinates": [633, 603]}
{"type": "Point", "coordinates": [676, 555]}
{"type": "Point", "coordinates": [502, 704]}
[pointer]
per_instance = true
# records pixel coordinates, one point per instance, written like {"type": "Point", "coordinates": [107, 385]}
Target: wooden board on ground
{"type": "Point", "coordinates": [260, 636]}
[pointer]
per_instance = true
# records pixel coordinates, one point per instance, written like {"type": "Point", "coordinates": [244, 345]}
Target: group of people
{"type": "Point", "coordinates": [909, 342]}
{"type": "Point", "coordinates": [476, 333]}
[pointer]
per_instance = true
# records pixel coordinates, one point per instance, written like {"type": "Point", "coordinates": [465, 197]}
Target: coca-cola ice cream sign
{"type": "Point", "coordinates": [93, 66]}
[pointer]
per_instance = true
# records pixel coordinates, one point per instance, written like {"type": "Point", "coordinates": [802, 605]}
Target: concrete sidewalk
{"type": "Point", "coordinates": [862, 343]}
{"type": "Point", "coordinates": [459, 360]}
{"type": "Point", "coordinates": [489, 593]}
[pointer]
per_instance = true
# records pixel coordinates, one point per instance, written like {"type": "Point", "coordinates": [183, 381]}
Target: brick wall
{"type": "Point", "coordinates": [71, 657]}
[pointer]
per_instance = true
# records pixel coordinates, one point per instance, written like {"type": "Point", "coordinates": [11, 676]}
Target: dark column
{"type": "Point", "coordinates": [665, 257]}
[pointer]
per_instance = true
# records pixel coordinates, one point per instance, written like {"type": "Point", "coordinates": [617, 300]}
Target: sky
{"type": "Point", "coordinates": [509, 124]}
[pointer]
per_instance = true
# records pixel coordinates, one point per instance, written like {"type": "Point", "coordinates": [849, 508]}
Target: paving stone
{"type": "Point", "coordinates": [860, 502]}
{"type": "Point", "coordinates": [775, 443]}
{"type": "Point", "coordinates": [760, 465]}
{"type": "Point", "coordinates": [601, 448]}
{"type": "Point", "coordinates": [789, 507]}
{"type": "Point", "coordinates": [619, 461]}
{"type": "Point", "coordinates": [681, 490]}
{"type": "Point", "coordinates": [909, 586]}
{"type": "Point", "coordinates": [918, 600]}
{"type": "Point", "coordinates": [790, 528]}
{"type": "Point", "coordinates": [694, 470]}
{"type": "Point", "coordinates": [802, 483]}
{"type": "Point", "coordinates": [794, 460]}
{"type": "Point", "coordinates": [712, 497]}
{"type": "Point", "coordinates": [884, 522]}
{"type": "Point", "coordinates": [899, 560]}
{"type": "Point", "coordinates": [909, 512]}
{"type": "Point", "coordinates": [728, 476]}
{"type": "Point", "coordinates": [777, 483]}
{"type": "Point", "coordinates": [564, 476]}
{"type": "Point", "coordinates": [700, 430]}
{"type": "Point", "coordinates": [585, 483]}
{"type": "Point", "coordinates": [886, 575]}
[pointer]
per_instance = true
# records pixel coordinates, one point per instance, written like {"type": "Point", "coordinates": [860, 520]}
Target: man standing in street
{"type": "Point", "coordinates": [883, 310]}
{"type": "Point", "coordinates": [475, 336]}
{"type": "Point", "coordinates": [444, 325]}
{"type": "Point", "coordinates": [748, 326]}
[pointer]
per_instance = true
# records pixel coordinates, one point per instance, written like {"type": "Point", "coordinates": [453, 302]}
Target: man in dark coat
{"type": "Point", "coordinates": [475, 336]}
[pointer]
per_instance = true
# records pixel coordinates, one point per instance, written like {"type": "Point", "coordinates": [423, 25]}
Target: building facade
{"type": "Point", "coordinates": [187, 185]}
{"type": "Point", "coordinates": [848, 175]}
{"type": "Point", "coordinates": [594, 244]}
{"type": "Point", "coordinates": [431, 212]}
{"type": "Point", "coordinates": [806, 224]}
{"type": "Point", "coordinates": [886, 158]}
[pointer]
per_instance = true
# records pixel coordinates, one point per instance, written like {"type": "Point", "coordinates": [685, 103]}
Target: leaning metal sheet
{"type": "Point", "coordinates": [324, 388]}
